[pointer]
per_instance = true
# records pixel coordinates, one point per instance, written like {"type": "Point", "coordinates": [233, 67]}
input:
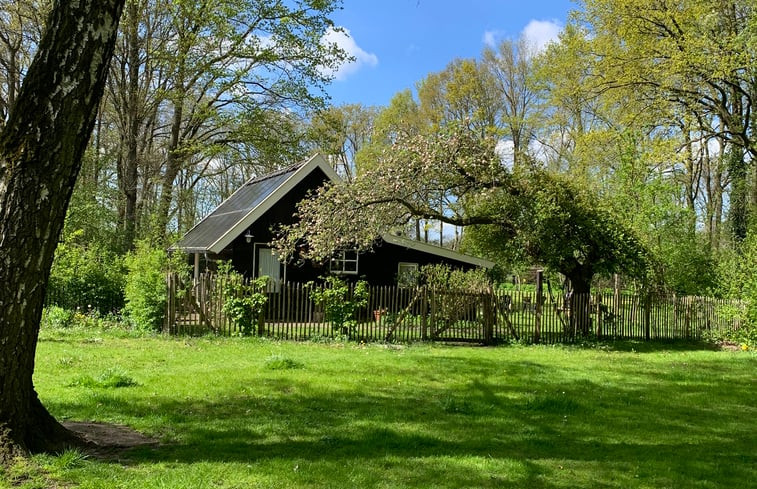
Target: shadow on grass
{"type": "Point", "coordinates": [678, 429]}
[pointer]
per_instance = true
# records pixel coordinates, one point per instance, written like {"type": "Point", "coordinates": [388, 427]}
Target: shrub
{"type": "Point", "coordinates": [338, 304]}
{"type": "Point", "coordinates": [738, 274]}
{"type": "Point", "coordinates": [243, 300]}
{"type": "Point", "coordinates": [453, 307]}
{"type": "Point", "coordinates": [86, 277]}
{"type": "Point", "coordinates": [57, 317]}
{"type": "Point", "coordinates": [146, 292]}
{"type": "Point", "coordinates": [447, 278]}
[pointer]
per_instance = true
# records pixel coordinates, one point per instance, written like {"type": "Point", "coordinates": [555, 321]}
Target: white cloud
{"type": "Point", "coordinates": [539, 33]}
{"type": "Point", "coordinates": [362, 58]}
{"type": "Point", "coordinates": [490, 38]}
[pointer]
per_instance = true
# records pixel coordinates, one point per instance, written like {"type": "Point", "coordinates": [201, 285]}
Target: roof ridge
{"type": "Point", "coordinates": [276, 173]}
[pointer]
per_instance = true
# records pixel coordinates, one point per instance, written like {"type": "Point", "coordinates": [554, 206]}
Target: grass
{"type": "Point", "coordinates": [239, 413]}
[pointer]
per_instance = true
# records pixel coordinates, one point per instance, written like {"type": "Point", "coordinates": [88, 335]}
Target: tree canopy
{"type": "Point", "coordinates": [456, 177]}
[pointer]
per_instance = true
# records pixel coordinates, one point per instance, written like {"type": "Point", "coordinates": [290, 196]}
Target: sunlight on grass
{"type": "Point", "coordinates": [249, 412]}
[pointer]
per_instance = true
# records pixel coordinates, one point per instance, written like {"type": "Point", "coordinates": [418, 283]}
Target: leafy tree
{"type": "Point", "coordinates": [41, 149]}
{"type": "Point", "coordinates": [232, 66]}
{"type": "Point", "coordinates": [527, 211]}
{"type": "Point", "coordinates": [341, 132]}
{"type": "Point", "coordinates": [652, 163]}
{"type": "Point", "coordinates": [692, 58]}
{"type": "Point", "coordinates": [511, 68]}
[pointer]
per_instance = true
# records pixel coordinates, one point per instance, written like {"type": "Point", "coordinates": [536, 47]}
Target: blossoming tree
{"type": "Point", "coordinates": [456, 177]}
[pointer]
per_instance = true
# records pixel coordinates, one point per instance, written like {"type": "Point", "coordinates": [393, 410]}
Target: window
{"type": "Point", "coordinates": [407, 274]}
{"type": "Point", "coordinates": [344, 262]}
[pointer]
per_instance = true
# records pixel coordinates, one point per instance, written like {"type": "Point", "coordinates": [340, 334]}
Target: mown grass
{"type": "Point", "coordinates": [239, 413]}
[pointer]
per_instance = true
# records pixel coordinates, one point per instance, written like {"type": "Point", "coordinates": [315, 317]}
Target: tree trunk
{"type": "Point", "coordinates": [580, 307]}
{"type": "Point", "coordinates": [131, 165]}
{"type": "Point", "coordinates": [41, 149]}
{"type": "Point", "coordinates": [739, 199]}
{"type": "Point", "coordinates": [173, 163]}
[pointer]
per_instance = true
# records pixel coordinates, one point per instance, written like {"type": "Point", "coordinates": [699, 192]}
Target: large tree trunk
{"type": "Point", "coordinates": [132, 163]}
{"type": "Point", "coordinates": [580, 307]}
{"type": "Point", "coordinates": [41, 148]}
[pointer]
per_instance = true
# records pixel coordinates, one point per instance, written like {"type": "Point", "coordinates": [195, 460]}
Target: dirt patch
{"type": "Point", "coordinates": [109, 440]}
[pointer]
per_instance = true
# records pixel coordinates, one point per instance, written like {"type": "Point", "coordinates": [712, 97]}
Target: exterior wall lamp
{"type": "Point", "coordinates": [248, 236]}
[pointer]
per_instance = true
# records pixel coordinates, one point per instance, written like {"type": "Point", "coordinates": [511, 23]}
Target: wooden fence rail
{"type": "Point", "coordinates": [425, 314]}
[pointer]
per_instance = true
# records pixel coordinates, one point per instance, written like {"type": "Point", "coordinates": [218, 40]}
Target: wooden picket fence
{"type": "Point", "coordinates": [424, 314]}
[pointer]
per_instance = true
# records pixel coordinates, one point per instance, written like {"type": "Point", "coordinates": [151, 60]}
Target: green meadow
{"type": "Point", "coordinates": [252, 413]}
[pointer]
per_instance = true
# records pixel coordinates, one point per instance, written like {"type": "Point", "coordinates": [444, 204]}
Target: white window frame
{"type": "Point", "coordinates": [340, 261]}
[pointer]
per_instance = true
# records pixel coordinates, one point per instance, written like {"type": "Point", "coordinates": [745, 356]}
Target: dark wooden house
{"type": "Point", "coordinates": [240, 229]}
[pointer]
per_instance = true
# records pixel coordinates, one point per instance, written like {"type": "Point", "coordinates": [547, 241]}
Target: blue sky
{"type": "Point", "coordinates": [399, 42]}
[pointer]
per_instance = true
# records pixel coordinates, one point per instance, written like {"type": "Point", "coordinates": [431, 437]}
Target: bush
{"type": "Point", "coordinates": [146, 292]}
{"type": "Point", "coordinates": [338, 304]}
{"type": "Point", "coordinates": [243, 300]}
{"type": "Point", "coordinates": [57, 317]}
{"type": "Point", "coordinates": [87, 277]}
{"type": "Point", "coordinates": [738, 273]}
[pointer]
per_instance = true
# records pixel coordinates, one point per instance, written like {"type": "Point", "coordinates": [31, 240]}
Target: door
{"type": "Point", "coordinates": [269, 264]}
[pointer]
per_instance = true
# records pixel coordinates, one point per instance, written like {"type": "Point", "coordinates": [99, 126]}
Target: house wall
{"type": "Point", "coordinates": [243, 254]}
{"type": "Point", "coordinates": [380, 267]}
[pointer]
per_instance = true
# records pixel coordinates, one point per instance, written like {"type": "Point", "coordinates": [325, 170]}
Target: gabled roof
{"type": "Point", "coordinates": [238, 212]}
{"type": "Point", "coordinates": [435, 250]}
{"type": "Point", "coordinates": [235, 214]}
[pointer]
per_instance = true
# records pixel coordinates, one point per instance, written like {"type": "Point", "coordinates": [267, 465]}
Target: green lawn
{"type": "Point", "coordinates": [239, 413]}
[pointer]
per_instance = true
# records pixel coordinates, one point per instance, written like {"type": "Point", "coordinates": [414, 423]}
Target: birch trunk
{"type": "Point", "coordinates": [41, 148]}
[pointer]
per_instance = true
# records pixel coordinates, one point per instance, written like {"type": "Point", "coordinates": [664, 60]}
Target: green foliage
{"type": "Point", "coordinates": [544, 217]}
{"type": "Point", "coordinates": [87, 277]}
{"type": "Point", "coordinates": [57, 317]}
{"type": "Point", "coordinates": [146, 292]}
{"type": "Point", "coordinates": [441, 276]}
{"type": "Point", "coordinates": [738, 272]}
{"type": "Point", "coordinates": [244, 300]}
{"type": "Point", "coordinates": [455, 176]}
{"type": "Point", "coordinates": [339, 302]}
{"type": "Point", "coordinates": [92, 215]}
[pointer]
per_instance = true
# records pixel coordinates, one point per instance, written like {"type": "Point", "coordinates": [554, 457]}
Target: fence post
{"type": "Point", "coordinates": [169, 304]}
{"type": "Point", "coordinates": [647, 315]}
{"type": "Point", "coordinates": [598, 315]}
{"type": "Point", "coordinates": [539, 302]}
{"type": "Point", "coordinates": [489, 318]}
{"type": "Point", "coordinates": [424, 313]}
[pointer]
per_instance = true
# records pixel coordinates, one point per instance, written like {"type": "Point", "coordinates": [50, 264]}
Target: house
{"type": "Point", "coordinates": [240, 230]}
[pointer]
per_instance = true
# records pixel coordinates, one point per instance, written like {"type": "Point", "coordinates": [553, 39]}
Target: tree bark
{"type": "Point", "coordinates": [132, 162]}
{"type": "Point", "coordinates": [41, 149]}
